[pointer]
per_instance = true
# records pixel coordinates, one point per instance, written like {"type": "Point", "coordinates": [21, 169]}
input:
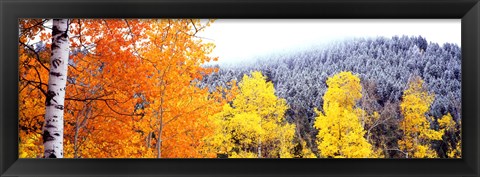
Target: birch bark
{"type": "Point", "coordinates": [53, 127]}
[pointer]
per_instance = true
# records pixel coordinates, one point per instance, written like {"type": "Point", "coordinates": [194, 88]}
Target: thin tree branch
{"type": "Point", "coordinates": [36, 24]}
{"type": "Point", "coordinates": [124, 114]}
{"type": "Point", "coordinates": [36, 54]}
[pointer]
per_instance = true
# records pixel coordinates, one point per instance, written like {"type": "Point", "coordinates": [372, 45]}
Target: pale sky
{"type": "Point", "coordinates": [240, 40]}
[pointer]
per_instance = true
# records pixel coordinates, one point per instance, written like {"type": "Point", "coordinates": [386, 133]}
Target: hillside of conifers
{"type": "Point", "coordinates": [147, 89]}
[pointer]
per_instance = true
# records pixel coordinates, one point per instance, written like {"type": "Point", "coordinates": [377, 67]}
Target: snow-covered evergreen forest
{"type": "Point", "coordinates": [385, 66]}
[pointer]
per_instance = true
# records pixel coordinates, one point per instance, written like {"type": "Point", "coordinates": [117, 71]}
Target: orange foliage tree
{"type": "Point", "coordinates": [131, 90]}
{"type": "Point", "coordinates": [176, 110]}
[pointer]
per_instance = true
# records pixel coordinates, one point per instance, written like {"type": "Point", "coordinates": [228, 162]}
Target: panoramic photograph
{"type": "Point", "coordinates": [239, 88]}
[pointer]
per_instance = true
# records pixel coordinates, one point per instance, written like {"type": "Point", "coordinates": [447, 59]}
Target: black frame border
{"type": "Point", "coordinates": [466, 10]}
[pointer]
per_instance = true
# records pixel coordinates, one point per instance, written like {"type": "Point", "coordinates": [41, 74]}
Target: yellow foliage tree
{"type": "Point", "coordinates": [417, 134]}
{"type": "Point", "coordinates": [254, 125]}
{"type": "Point", "coordinates": [341, 134]}
{"type": "Point", "coordinates": [448, 125]}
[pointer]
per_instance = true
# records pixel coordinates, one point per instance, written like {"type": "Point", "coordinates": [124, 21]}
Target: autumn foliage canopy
{"type": "Point", "coordinates": [133, 92]}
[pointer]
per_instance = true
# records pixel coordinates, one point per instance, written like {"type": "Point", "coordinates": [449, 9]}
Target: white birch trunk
{"type": "Point", "coordinates": [53, 127]}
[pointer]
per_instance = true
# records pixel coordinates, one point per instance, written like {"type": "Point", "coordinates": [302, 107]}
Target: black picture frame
{"type": "Point", "coordinates": [466, 10]}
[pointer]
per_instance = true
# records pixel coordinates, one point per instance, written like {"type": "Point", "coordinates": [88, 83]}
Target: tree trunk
{"type": "Point", "coordinates": [160, 129]}
{"type": "Point", "coordinates": [159, 139]}
{"type": "Point", "coordinates": [159, 143]}
{"type": "Point", "coordinates": [53, 127]}
{"type": "Point", "coordinates": [259, 148]}
{"type": "Point", "coordinates": [149, 138]}
{"type": "Point", "coordinates": [75, 142]}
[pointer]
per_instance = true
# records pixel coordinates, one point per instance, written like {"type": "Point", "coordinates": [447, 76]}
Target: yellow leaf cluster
{"type": "Point", "coordinates": [341, 134]}
{"type": "Point", "coordinates": [30, 145]}
{"type": "Point", "coordinates": [417, 134]}
{"type": "Point", "coordinates": [254, 124]}
{"type": "Point", "coordinates": [448, 125]}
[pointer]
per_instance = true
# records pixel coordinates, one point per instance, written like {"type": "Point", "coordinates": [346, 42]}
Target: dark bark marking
{"type": "Point", "coordinates": [56, 63]}
{"type": "Point", "coordinates": [54, 46]}
{"type": "Point", "coordinates": [49, 98]}
{"type": "Point", "coordinates": [56, 134]}
{"type": "Point", "coordinates": [55, 30]}
{"type": "Point", "coordinates": [59, 107]}
{"type": "Point", "coordinates": [64, 35]}
{"type": "Point", "coordinates": [52, 155]}
{"type": "Point", "coordinates": [55, 74]}
{"type": "Point", "coordinates": [55, 116]}
{"type": "Point", "coordinates": [47, 137]}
